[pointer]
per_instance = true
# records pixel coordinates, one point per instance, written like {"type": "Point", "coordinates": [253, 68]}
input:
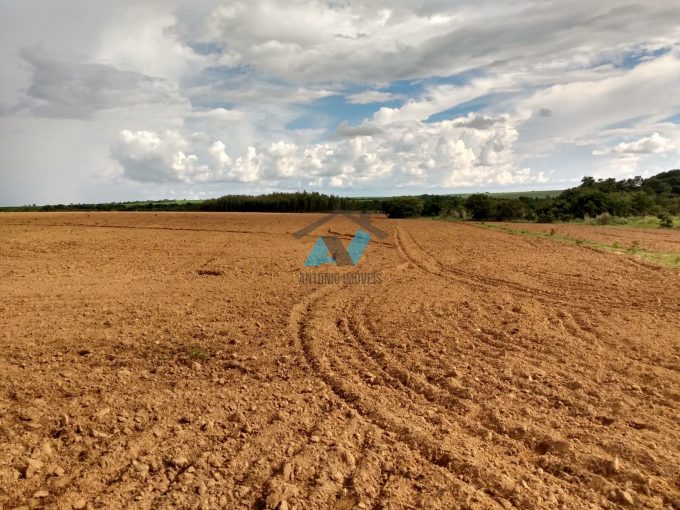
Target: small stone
{"type": "Point", "coordinates": [79, 504]}
{"type": "Point", "coordinates": [41, 494]}
{"type": "Point", "coordinates": [348, 457]}
{"type": "Point", "coordinates": [315, 439]}
{"type": "Point", "coordinates": [103, 412]}
{"type": "Point", "coordinates": [507, 484]}
{"type": "Point", "coordinates": [140, 467]}
{"type": "Point", "coordinates": [615, 465]}
{"type": "Point", "coordinates": [237, 417]}
{"type": "Point", "coordinates": [554, 446]}
{"type": "Point", "coordinates": [574, 385]}
{"type": "Point", "coordinates": [626, 498]}
{"type": "Point", "coordinates": [179, 461]}
{"type": "Point", "coordinates": [46, 449]}
{"type": "Point", "coordinates": [336, 476]}
{"type": "Point", "coordinates": [30, 467]}
{"type": "Point", "coordinates": [288, 472]}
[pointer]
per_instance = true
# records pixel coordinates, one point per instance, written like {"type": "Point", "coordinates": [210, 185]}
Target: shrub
{"type": "Point", "coordinates": [603, 219]}
{"type": "Point", "coordinates": [665, 220]}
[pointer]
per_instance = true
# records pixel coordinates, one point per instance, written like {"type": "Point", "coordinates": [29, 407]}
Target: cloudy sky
{"type": "Point", "coordinates": [130, 100]}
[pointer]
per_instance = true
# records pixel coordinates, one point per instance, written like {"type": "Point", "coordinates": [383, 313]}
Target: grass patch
{"type": "Point", "coordinates": [666, 259]}
{"type": "Point", "coordinates": [198, 354]}
{"type": "Point", "coordinates": [633, 221]}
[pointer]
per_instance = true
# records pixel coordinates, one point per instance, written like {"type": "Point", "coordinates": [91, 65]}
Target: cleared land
{"type": "Point", "coordinates": [652, 239]}
{"type": "Point", "coordinates": [175, 360]}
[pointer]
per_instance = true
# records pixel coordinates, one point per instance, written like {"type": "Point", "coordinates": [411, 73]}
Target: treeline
{"type": "Point", "coordinates": [604, 199]}
{"type": "Point", "coordinates": [282, 202]}
{"type": "Point", "coordinates": [158, 205]}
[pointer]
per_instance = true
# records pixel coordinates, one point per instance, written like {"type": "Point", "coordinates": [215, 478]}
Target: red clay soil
{"type": "Point", "coordinates": [178, 361]}
{"type": "Point", "coordinates": [652, 239]}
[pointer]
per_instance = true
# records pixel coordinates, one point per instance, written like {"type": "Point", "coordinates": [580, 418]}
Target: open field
{"type": "Point", "coordinates": [661, 245]}
{"type": "Point", "coordinates": [176, 360]}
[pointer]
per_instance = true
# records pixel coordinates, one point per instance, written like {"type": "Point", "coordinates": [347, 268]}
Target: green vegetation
{"type": "Point", "coordinates": [283, 202]}
{"type": "Point", "coordinates": [668, 259]}
{"type": "Point", "coordinates": [147, 205]}
{"type": "Point", "coordinates": [603, 202]}
{"type": "Point", "coordinates": [403, 207]}
{"type": "Point", "coordinates": [653, 201]}
{"type": "Point", "coordinates": [198, 354]}
{"type": "Point", "coordinates": [665, 220]}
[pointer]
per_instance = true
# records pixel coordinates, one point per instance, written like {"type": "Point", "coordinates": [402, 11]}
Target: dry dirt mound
{"type": "Point", "coordinates": [177, 361]}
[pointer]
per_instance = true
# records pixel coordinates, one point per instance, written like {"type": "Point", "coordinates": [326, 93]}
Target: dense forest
{"type": "Point", "coordinates": [602, 199]}
{"type": "Point", "coordinates": [282, 202]}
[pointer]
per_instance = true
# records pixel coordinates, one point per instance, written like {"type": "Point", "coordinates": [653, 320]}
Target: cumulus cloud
{"type": "Point", "coordinates": [171, 157]}
{"type": "Point", "coordinates": [462, 152]}
{"type": "Point", "coordinates": [302, 93]}
{"type": "Point", "coordinates": [654, 144]}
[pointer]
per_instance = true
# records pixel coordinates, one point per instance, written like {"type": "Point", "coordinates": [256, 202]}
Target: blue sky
{"type": "Point", "coordinates": [134, 100]}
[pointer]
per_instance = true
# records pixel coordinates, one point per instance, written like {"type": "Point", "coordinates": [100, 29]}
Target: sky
{"type": "Point", "coordinates": [133, 100]}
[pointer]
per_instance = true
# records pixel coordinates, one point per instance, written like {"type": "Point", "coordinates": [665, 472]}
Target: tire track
{"type": "Point", "coordinates": [455, 464]}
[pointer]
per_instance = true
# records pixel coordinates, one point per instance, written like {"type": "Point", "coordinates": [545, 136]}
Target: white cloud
{"type": "Point", "coordinates": [307, 40]}
{"type": "Point", "coordinates": [144, 41]}
{"type": "Point", "coordinates": [170, 157]}
{"type": "Point", "coordinates": [654, 144]}
{"type": "Point", "coordinates": [580, 110]}
{"type": "Point", "coordinates": [210, 92]}
{"type": "Point", "coordinates": [373, 96]}
{"type": "Point", "coordinates": [462, 152]}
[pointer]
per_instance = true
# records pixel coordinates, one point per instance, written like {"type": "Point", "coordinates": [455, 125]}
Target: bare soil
{"type": "Point", "coordinates": [178, 361]}
{"type": "Point", "coordinates": [652, 239]}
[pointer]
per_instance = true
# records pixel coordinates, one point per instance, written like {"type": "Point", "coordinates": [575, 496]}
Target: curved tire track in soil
{"type": "Point", "coordinates": [419, 257]}
{"type": "Point", "coordinates": [454, 464]}
{"type": "Point", "coordinates": [582, 332]}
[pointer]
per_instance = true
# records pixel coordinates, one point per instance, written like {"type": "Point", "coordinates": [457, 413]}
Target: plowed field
{"type": "Point", "coordinates": [181, 361]}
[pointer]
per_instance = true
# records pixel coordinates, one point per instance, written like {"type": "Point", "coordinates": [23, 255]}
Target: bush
{"type": "Point", "coordinates": [603, 219]}
{"type": "Point", "coordinates": [665, 220]}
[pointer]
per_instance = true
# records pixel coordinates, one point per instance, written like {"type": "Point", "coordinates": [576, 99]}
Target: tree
{"type": "Point", "coordinates": [403, 207]}
{"type": "Point", "coordinates": [480, 205]}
